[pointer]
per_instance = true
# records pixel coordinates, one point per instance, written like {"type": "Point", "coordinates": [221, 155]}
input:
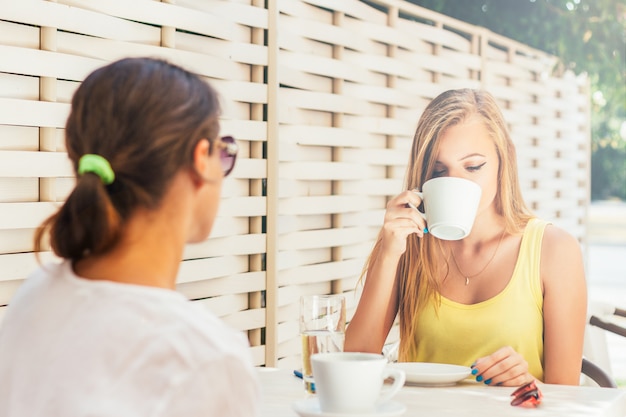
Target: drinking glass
{"type": "Point", "coordinates": [322, 329]}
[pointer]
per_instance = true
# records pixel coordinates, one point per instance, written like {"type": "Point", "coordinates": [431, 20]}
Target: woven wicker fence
{"type": "Point", "coordinates": [323, 96]}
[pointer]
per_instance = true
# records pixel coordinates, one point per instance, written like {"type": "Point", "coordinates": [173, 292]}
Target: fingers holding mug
{"type": "Point", "coordinates": [400, 222]}
{"type": "Point", "coordinates": [405, 205]}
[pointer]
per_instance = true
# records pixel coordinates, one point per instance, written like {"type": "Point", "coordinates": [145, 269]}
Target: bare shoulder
{"type": "Point", "coordinates": [561, 254]}
{"type": "Point", "coordinates": [559, 242]}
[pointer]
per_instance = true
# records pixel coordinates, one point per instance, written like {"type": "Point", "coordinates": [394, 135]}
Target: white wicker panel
{"type": "Point", "coordinates": [331, 133]}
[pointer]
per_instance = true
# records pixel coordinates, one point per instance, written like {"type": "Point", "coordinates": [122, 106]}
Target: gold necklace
{"type": "Point", "coordinates": [467, 277]}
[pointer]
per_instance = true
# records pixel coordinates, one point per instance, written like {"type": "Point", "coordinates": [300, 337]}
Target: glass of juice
{"type": "Point", "coordinates": [322, 329]}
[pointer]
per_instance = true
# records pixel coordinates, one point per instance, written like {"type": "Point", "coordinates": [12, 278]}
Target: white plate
{"type": "Point", "coordinates": [432, 374]}
{"type": "Point", "coordinates": [311, 408]}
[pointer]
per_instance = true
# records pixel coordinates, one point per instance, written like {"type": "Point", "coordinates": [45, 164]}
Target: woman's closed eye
{"type": "Point", "coordinates": [474, 168]}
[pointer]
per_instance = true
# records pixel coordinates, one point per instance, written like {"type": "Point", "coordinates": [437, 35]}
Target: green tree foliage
{"type": "Point", "coordinates": [588, 36]}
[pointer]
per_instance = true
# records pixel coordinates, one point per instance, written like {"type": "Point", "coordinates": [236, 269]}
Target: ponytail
{"type": "Point", "coordinates": [86, 224]}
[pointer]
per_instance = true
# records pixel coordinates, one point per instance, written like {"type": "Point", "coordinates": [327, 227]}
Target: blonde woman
{"type": "Point", "coordinates": [509, 300]}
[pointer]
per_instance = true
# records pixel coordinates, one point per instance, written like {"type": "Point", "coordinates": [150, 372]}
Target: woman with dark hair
{"type": "Point", "coordinates": [509, 299]}
{"type": "Point", "coordinates": [103, 332]}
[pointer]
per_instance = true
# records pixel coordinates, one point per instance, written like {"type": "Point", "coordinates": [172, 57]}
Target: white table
{"type": "Point", "coordinates": [280, 388]}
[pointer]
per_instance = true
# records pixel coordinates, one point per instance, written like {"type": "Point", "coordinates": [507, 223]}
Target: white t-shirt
{"type": "Point", "coordinates": [71, 347]}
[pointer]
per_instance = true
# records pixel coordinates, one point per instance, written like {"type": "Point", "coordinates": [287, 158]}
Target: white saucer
{"type": "Point", "coordinates": [311, 408]}
{"type": "Point", "coordinates": [432, 374]}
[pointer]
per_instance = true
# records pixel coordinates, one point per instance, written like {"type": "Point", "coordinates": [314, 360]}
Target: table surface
{"type": "Point", "coordinates": [280, 389]}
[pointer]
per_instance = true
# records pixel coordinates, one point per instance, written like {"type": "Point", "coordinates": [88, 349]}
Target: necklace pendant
{"type": "Point", "coordinates": [466, 280]}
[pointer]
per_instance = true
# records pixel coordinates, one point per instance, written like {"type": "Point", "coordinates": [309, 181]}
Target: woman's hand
{"type": "Point", "coordinates": [400, 221]}
{"type": "Point", "coordinates": [504, 367]}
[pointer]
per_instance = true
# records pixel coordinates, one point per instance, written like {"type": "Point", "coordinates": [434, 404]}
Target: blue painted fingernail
{"type": "Point", "coordinates": [487, 382]}
{"type": "Point", "coordinates": [426, 230]}
{"type": "Point", "coordinates": [474, 371]}
{"type": "Point", "coordinates": [479, 378]}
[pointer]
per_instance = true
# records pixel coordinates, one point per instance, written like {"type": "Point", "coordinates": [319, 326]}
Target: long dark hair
{"type": "Point", "coordinates": [144, 116]}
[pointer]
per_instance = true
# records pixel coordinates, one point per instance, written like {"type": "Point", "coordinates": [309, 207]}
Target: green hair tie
{"type": "Point", "coordinates": [97, 165]}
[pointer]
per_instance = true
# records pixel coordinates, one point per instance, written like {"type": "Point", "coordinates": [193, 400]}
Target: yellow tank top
{"type": "Point", "coordinates": [462, 333]}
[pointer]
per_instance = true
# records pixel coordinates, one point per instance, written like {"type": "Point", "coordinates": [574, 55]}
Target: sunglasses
{"type": "Point", "coordinates": [228, 153]}
{"type": "Point", "coordinates": [527, 396]}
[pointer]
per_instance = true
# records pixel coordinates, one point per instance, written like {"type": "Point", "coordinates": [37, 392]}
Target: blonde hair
{"type": "Point", "coordinates": [417, 277]}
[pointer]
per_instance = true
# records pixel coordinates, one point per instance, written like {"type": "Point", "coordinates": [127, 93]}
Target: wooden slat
{"type": "Point", "coordinates": [246, 320]}
{"type": "Point", "coordinates": [15, 190]}
{"type": "Point", "coordinates": [44, 63]}
{"type": "Point", "coordinates": [162, 14]}
{"type": "Point", "coordinates": [324, 66]}
{"type": "Point", "coordinates": [235, 51]}
{"type": "Point", "coordinates": [16, 241]}
{"type": "Point", "coordinates": [374, 157]}
{"type": "Point", "coordinates": [385, 126]}
{"type": "Point", "coordinates": [293, 78]}
{"type": "Point", "coordinates": [353, 8]}
{"type": "Point", "coordinates": [322, 32]}
{"type": "Point", "coordinates": [78, 20]}
{"type": "Point", "coordinates": [286, 258]}
{"type": "Point", "coordinates": [329, 136]}
{"type": "Point", "coordinates": [110, 50]}
{"type": "Point", "coordinates": [23, 138]}
{"type": "Point", "coordinates": [240, 13]}
{"type": "Point", "coordinates": [228, 245]}
{"type": "Point", "coordinates": [20, 265]}
{"type": "Point", "coordinates": [25, 215]}
{"type": "Point", "coordinates": [325, 204]}
{"type": "Point", "coordinates": [320, 272]}
{"type": "Point", "coordinates": [230, 283]}
{"type": "Point", "coordinates": [242, 206]}
{"type": "Point", "coordinates": [434, 35]}
{"type": "Point", "coordinates": [208, 268]}
{"type": "Point", "coordinates": [382, 34]}
{"type": "Point", "coordinates": [32, 113]}
{"type": "Point", "coordinates": [381, 64]}
{"type": "Point", "coordinates": [18, 86]}
{"type": "Point", "coordinates": [321, 238]}
{"type": "Point", "coordinates": [245, 129]}
{"type": "Point", "coordinates": [321, 101]}
{"type": "Point", "coordinates": [326, 170]}
{"type": "Point", "coordinates": [381, 94]}
{"type": "Point", "coordinates": [35, 164]}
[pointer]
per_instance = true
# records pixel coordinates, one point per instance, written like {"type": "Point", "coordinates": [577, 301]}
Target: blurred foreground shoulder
{"type": "Point", "coordinates": [225, 387]}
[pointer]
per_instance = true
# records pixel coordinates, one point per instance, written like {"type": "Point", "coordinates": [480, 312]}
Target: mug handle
{"type": "Point", "coordinates": [420, 195]}
{"type": "Point", "coordinates": [398, 377]}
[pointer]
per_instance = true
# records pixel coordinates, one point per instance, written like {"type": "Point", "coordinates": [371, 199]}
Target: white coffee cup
{"type": "Point", "coordinates": [450, 206]}
{"type": "Point", "coordinates": [352, 382]}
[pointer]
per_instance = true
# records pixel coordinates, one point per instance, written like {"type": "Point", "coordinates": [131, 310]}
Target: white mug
{"type": "Point", "coordinates": [352, 382]}
{"type": "Point", "coordinates": [450, 206]}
